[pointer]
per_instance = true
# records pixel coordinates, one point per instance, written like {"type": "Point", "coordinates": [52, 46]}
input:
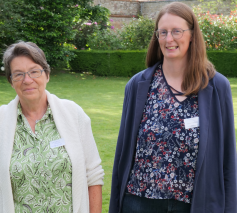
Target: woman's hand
{"type": "Point", "coordinates": [95, 198]}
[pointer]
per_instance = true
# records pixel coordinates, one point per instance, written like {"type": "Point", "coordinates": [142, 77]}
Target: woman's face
{"type": "Point", "coordinates": [174, 48]}
{"type": "Point", "coordinates": [28, 89]}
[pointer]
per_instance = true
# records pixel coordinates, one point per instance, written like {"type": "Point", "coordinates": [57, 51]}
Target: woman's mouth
{"type": "Point", "coordinates": [172, 48]}
{"type": "Point", "coordinates": [28, 89]}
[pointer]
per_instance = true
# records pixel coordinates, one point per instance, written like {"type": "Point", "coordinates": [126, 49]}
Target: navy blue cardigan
{"type": "Point", "coordinates": [215, 186]}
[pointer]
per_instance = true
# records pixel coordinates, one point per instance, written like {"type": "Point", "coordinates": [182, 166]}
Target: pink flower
{"type": "Point", "coordinates": [76, 5]}
{"type": "Point", "coordinates": [88, 24]}
{"type": "Point", "coordinates": [95, 23]}
{"type": "Point", "coordinates": [111, 20]}
{"type": "Point", "coordinates": [41, 8]}
{"type": "Point", "coordinates": [112, 27]}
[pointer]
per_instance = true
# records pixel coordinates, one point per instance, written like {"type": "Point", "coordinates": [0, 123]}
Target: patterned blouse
{"type": "Point", "coordinates": [41, 176]}
{"type": "Point", "coordinates": [166, 152]}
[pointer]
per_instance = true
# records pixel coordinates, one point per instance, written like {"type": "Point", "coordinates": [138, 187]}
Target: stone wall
{"type": "Point", "coordinates": [123, 8]}
{"type": "Point", "coordinates": [151, 9]}
{"type": "Point", "coordinates": [122, 11]}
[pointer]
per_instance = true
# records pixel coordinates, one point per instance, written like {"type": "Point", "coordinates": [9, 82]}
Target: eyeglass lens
{"type": "Point", "coordinates": [21, 75]}
{"type": "Point", "coordinates": [176, 33]}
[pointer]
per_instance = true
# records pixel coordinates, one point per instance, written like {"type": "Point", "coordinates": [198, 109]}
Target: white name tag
{"type": "Point", "coordinates": [191, 122]}
{"type": "Point", "coordinates": [57, 143]}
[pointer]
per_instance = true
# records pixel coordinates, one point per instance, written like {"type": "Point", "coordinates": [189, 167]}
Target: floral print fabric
{"type": "Point", "coordinates": [41, 176]}
{"type": "Point", "coordinates": [166, 152]}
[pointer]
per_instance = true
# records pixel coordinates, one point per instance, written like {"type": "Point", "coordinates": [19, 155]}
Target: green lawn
{"type": "Point", "coordinates": [102, 99]}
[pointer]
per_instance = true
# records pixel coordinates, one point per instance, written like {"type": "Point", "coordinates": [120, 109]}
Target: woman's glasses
{"type": "Point", "coordinates": [19, 76]}
{"type": "Point", "coordinates": [176, 33]}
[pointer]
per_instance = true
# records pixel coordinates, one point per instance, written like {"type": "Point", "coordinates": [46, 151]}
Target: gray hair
{"type": "Point", "coordinates": [28, 49]}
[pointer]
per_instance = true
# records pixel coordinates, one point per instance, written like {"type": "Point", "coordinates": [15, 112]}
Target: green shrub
{"type": "Point", "coordinates": [128, 63]}
{"type": "Point", "coordinates": [10, 20]}
{"type": "Point", "coordinates": [47, 23]}
{"type": "Point", "coordinates": [83, 31]}
{"type": "Point", "coordinates": [89, 20]}
{"type": "Point", "coordinates": [219, 31]}
{"type": "Point", "coordinates": [225, 62]}
{"type": "Point", "coordinates": [106, 39]}
{"type": "Point", "coordinates": [135, 35]}
{"type": "Point", "coordinates": [109, 63]}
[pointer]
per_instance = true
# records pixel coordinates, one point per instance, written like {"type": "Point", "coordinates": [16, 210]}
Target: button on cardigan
{"type": "Point", "coordinates": [74, 127]}
{"type": "Point", "coordinates": [215, 180]}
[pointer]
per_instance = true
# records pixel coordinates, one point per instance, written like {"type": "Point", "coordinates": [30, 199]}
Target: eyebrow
{"type": "Point", "coordinates": [29, 70]}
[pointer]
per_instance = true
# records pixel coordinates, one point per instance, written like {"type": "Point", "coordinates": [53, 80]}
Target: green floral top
{"type": "Point", "coordinates": [41, 176]}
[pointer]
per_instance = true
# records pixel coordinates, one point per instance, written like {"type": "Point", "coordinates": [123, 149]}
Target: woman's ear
{"type": "Point", "coordinates": [12, 85]}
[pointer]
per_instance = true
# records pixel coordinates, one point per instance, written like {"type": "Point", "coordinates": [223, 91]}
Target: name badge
{"type": "Point", "coordinates": [191, 122]}
{"type": "Point", "coordinates": [57, 143]}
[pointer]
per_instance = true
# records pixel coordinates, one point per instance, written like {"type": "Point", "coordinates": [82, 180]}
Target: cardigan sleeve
{"type": "Point", "coordinates": [94, 171]}
{"type": "Point", "coordinates": [229, 164]}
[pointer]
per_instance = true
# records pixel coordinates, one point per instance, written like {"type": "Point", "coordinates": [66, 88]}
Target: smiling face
{"type": "Point", "coordinates": [174, 48]}
{"type": "Point", "coordinates": [29, 89]}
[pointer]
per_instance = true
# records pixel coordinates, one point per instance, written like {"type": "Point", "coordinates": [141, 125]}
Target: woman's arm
{"type": "Point", "coordinates": [95, 198]}
{"type": "Point", "coordinates": [229, 164]}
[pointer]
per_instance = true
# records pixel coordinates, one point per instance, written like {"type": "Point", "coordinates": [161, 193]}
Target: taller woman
{"type": "Point", "coordinates": [176, 145]}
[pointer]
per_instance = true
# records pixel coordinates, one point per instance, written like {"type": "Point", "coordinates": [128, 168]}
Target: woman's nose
{"type": "Point", "coordinates": [27, 78]}
{"type": "Point", "coordinates": [169, 36]}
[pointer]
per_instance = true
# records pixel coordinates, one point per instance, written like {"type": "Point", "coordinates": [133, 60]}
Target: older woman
{"type": "Point", "coordinates": [48, 157]}
{"type": "Point", "coordinates": [176, 146]}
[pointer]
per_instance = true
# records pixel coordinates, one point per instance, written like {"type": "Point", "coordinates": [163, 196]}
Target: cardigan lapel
{"type": "Point", "coordinates": [142, 90]}
{"type": "Point", "coordinates": [141, 97]}
{"type": "Point", "coordinates": [204, 102]}
{"type": "Point", "coordinates": [63, 119]}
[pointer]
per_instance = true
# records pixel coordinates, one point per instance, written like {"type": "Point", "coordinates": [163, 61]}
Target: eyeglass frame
{"type": "Point", "coordinates": [171, 33]}
{"type": "Point", "coordinates": [24, 74]}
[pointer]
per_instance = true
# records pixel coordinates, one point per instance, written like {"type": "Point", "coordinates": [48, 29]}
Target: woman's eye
{"type": "Point", "coordinates": [163, 32]}
{"type": "Point", "coordinates": [18, 74]}
{"type": "Point", "coordinates": [176, 31]}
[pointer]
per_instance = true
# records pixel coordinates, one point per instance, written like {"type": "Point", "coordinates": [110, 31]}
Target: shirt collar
{"type": "Point", "coordinates": [48, 113]}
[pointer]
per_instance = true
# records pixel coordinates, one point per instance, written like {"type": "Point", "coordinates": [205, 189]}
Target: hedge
{"type": "Point", "coordinates": [225, 62]}
{"type": "Point", "coordinates": [128, 63]}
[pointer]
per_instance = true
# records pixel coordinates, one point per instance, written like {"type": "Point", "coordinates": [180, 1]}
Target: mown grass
{"type": "Point", "coordinates": [102, 99]}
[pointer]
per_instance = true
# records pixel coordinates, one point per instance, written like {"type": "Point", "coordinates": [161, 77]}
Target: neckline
{"type": "Point", "coordinates": [171, 92]}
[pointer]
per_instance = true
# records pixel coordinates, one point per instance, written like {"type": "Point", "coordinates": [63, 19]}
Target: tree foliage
{"type": "Point", "coordinates": [134, 35]}
{"type": "Point", "coordinates": [91, 19]}
{"type": "Point", "coordinates": [47, 23]}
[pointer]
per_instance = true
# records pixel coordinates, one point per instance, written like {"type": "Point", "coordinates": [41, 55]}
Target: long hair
{"type": "Point", "coordinates": [199, 69]}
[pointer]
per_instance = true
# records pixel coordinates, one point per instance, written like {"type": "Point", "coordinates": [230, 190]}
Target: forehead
{"type": "Point", "coordinates": [23, 63]}
{"type": "Point", "coordinates": [170, 21]}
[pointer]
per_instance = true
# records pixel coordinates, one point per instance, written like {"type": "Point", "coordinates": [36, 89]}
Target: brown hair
{"type": "Point", "coordinates": [28, 49]}
{"type": "Point", "coordinates": [199, 69]}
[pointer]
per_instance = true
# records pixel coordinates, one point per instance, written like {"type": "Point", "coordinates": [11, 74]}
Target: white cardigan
{"type": "Point", "coordinates": [75, 128]}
